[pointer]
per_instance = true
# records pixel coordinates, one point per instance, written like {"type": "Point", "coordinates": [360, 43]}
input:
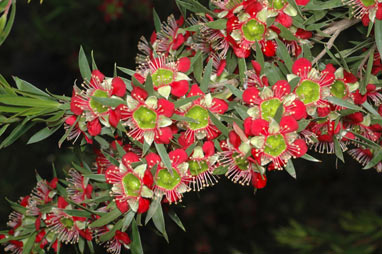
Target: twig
{"type": "Point", "coordinates": [335, 30]}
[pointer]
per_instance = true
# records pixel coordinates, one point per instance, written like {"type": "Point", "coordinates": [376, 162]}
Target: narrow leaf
{"type": "Point", "coordinates": [106, 218]}
{"type": "Point", "coordinates": [289, 167]}
{"type": "Point", "coordinates": [378, 35]}
{"type": "Point", "coordinates": [84, 65]}
{"type": "Point", "coordinates": [161, 149]}
{"type": "Point", "coordinates": [136, 245]}
{"type": "Point", "coordinates": [174, 217]}
{"type": "Point", "coordinates": [157, 22]}
{"type": "Point", "coordinates": [206, 77]}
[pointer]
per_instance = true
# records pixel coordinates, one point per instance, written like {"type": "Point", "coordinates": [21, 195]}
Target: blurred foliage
{"type": "Point", "coordinates": [354, 233]}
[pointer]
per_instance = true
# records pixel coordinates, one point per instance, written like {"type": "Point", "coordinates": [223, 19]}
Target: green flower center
{"type": "Point", "coordinates": [277, 4]}
{"type": "Point", "coordinates": [368, 3]}
{"type": "Point", "coordinates": [167, 181]}
{"type": "Point", "coordinates": [275, 145]}
{"type": "Point", "coordinates": [200, 115]}
{"type": "Point", "coordinates": [338, 89]}
{"type": "Point", "coordinates": [145, 118]}
{"type": "Point", "coordinates": [131, 185]}
{"type": "Point", "coordinates": [96, 106]}
{"type": "Point", "coordinates": [269, 108]}
{"type": "Point", "coordinates": [240, 161]}
{"type": "Point", "coordinates": [68, 223]}
{"type": "Point", "coordinates": [197, 167]}
{"type": "Point", "coordinates": [308, 92]}
{"type": "Point", "coordinates": [253, 30]}
{"type": "Point", "coordinates": [162, 77]}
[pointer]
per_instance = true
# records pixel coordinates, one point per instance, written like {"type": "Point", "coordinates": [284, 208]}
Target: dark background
{"type": "Point", "coordinates": [227, 218]}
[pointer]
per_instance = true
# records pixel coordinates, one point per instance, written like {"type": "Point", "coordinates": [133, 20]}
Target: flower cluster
{"type": "Point", "coordinates": [231, 91]}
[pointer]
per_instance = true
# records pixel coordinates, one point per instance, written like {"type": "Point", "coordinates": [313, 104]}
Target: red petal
{"type": "Point", "coordinates": [86, 234]}
{"type": "Point", "coordinates": [165, 107]}
{"type": "Point", "coordinates": [139, 94]}
{"type": "Point", "coordinates": [359, 98]}
{"type": "Point", "coordinates": [24, 201]}
{"type": "Point", "coordinates": [221, 67]}
{"type": "Point", "coordinates": [256, 66]}
{"type": "Point", "coordinates": [61, 203]}
{"type": "Point", "coordinates": [269, 48]}
{"type": "Point", "coordinates": [234, 139]}
{"type": "Point", "coordinates": [365, 20]}
{"type": "Point", "coordinates": [258, 181]}
{"type": "Point", "coordinates": [208, 148]}
{"type": "Point", "coordinates": [288, 124]}
{"type": "Point", "coordinates": [114, 117]}
{"type": "Point", "coordinates": [53, 183]}
{"type": "Point", "coordinates": [152, 159]}
{"type": "Point", "coordinates": [97, 77]}
{"type": "Point", "coordinates": [153, 37]}
{"type": "Point", "coordinates": [144, 205]}
{"type": "Point", "coordinates": [248, 126]}
{"type": "Point", "coordinates": [179, 40]}
{"type": "Point", "coordinates": [74, 105]}
{"type": "Point", "coordinates": [184, 64]}
{"type": "Point", "coordinates": [303, 34]}
{"type": "Point", "coordinates": [354, 118]}
{"type": "Point", "coordinates": [122, 237]}
{"type": "Point", "coordinates": [281, 88]}
{"type": "Point", "coordinates": [163, 135]}
{"type": "Point", "coordinates": [259, 127]}
{"type": "Point", "coordinates": [148, 179]}
{"type": "Point", "coordinates": [179, 88]}
{"type": "Point", "coordinates": [323, 111]}
{"type": "Point", "coordinates": [379, 11]}
{"type": "Point", "coordinates": [71, 120]}
{"type": "Point", "coordinates": [194, 91]}
{"type": "Point", "coordinates": [129, 158]}
{"type": "Point", "coordinates": [298, 110]}
{"type": "Point", "coordinates": [300, 148]}
{"type": "Point", "coordinates": [178, 156]}
{"type": "Point", "coordinates": [109, 174]}
{"type": "Point", "coordinates": [139, 77]}
{"type": "Point", "coordinates": [183, 141]}
{"type": "Point", "coordinates": [219, 106]}
{"type": "Point", "coordinates": [94, 127]}
{"type": "Point", "coordinates": [349, 77]}
{"type": "Point", "coordinates": [250, 95]}
{"type": "Point", "coordinates": [301, 65]}
{"type": "Point", "coordinates": [302, 2]}
{"type": "Point", "coordinates": [122, 206]}
{"type": "Point", "coordinates": [119, 87]}
{"type": "Point", "coordinates": [284, 19]}
{"type": "Point", "coordinates": [329, 68]}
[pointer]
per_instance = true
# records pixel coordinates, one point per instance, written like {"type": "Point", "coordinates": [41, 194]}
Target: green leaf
{"type": "Point", "coordinates": [127, 220]}
{"type": "Point", "coordinates": [91, 247]}
{"type": "Point", "coordinates": [259, 56]}
{"type": "Point", "coordinates": [27, 248]}
{"type": "Point", "coordinates": [16, 206]}
{"type": "Point", "coordinates": [180, 118]}
{"type": "Point", "coordinates": [94, 65]}
{"type": "Point", "coordinates": [126, 71]}
{"type": "Point", "coordinates": [106, 218]}
{"type": "Point", "coordinates": [161, 149]}
{"type": "Point", "coordinates": [110, 158]}
{"type": "Point", "coordinates": [84, 65]}
{"type": "Point", "coordinates": [206, 77]}
{"type": "Point", "coordinates": [111, 102]}
{"type": "Point", "coordinates": [377, 157]}
{"type": "Point", "coordinates": [343, 103]}
{"type": "Point", "coordinates": [219, 24]}
{"type": "Point", "coordinates": [96, 177]}
{"type": "Point", "coordinates": [273, 73]}
{"type": "Point", "coordinates": [80, 169]}
{"type": "Point", "coordinates": [42, 134]}
{"type": "Point", "coordinates": [369, 67]}
{"type": "Point", "coordinates": [302, 124]}
{"type": "Point", "coordinates": [136, 245]}
{"type": "Point", "coordinates": [23, 85]}
{"type": "Point", "coordinates": [315, 5]}
{"type": "Point", "coordinates": [242, 69]}
{"type": "Point", "coordinates": [78, 213]}
{"type": "Point", "coordinates": [149, 85]}
{"type": "Point", "coordinates": [221, 170]}
{"type": "Point", "coordinates": [194, 6]}
{"type": "Point", "coordinates": [238, 93]}
{"type": "Point", "coordinates": [224, 130]}
{"type": "Point", "coordinates": [282, 53]}
{"type": "Point", "coordinates": [197, 65]}
{"type": "Point", "coordinates": [289, 167]}
{"type": "Point", "coordinates": [29, 102]}
{"type": "Point", "coordinates": [111, 233]}
{"type": "Point", "coordinates": [9, 25]}
{"type": "Point", "coordinates": [241, 110]}
{"type": "Point", "coordinates": [159, 222]}
{"type": "Point", "coordinates": [338, 150]}
{"type": "Point", "coordinates": [174, 217]}
{"type": "Point", "coordinates": [309, 158]}
{"type": "Point", "coordinates": [286, 34]}
{"type": "Point", "coordinates": [3, 129]}
{"type": "Point", "coordinates": [378, 35]}
{"type": "Point", "coordinates": [184, 101]}
{"type": "Point", "coordinates": [157, 22]}
{"type": "Point", "coordinates": [17, 132]}
{"type": "Point", "coordinates": [152, 209]}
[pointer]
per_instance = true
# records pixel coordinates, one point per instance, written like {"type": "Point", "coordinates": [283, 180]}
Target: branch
{"type": "Point", "coordinates": [335, 31]}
